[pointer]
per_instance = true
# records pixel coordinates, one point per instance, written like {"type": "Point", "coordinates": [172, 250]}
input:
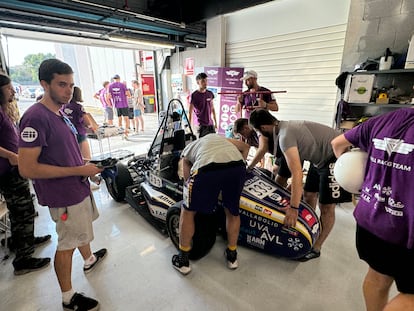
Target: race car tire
{"type": "Point", "coordinates": [204, 235]}
{"type": "Point", "coordinates": [116, 187]}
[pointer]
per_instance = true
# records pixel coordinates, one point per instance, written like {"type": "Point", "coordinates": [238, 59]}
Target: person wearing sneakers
{"type": "Point", "coordinates": [139, 106]}
{"type": "Point", "coordinates": [15, 189]}
{"type": "Point", "coordinates": [299, 141]}
{"type": "Point", "coordinates": [119, 95]}
{"type": "Point", "coordinates": [201, 104]}
{"type": "Point", "coordinates": [49, 154]}
{"type": "Point", "coordinates": [211, 164]}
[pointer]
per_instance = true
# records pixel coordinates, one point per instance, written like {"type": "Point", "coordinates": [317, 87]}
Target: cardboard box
{"type": "Point", "coordinates": [347, 125]}
{"type": "Point", "coordinates": [358, 88]}
{"type": "Point", "coordinates": [409, 62]}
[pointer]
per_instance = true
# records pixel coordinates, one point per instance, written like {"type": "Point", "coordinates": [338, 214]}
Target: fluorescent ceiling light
{"type": "Point", "coordinates": [140, 42]}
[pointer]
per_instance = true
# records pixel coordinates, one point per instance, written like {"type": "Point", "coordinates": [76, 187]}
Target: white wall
{"type": "Point", "coordinates": [295, 46]}
{"type": "Point", "coordinates": [285, 16]}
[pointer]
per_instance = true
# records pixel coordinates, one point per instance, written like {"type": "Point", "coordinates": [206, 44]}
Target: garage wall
{"type": "Point", "coordinates": [296, 46]}
{"type": "Point", "coordinates": [375, 25]}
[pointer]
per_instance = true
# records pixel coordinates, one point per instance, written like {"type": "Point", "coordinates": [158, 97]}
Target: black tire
{"type": "Point", "coordinates": [116, 187]}
{"type": "Point", "coordinates": [204, 235]}
{"type": "Point", "coordinates": [173, 223]}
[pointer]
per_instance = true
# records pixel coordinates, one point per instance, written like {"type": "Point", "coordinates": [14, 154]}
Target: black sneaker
{"type": "Point", "coordinates": [231, 257]}
{"type": "Point", "coordinates": [99, 255]}
{"type": "Point", "coordinates": [29, 265]}
{"type": "Point", "coordinates": [38, 240]}
{"type": "Point", "coordinates": [80, 302]}
{"type": "Point", "coordinates": [181, 263]}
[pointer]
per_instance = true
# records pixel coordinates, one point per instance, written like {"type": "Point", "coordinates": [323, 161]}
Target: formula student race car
{"type": "Point", "coordinates": [151, 185]}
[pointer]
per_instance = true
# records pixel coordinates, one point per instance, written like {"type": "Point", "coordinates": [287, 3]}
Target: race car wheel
{"type": "Point", "coordinates": [173, 223]}
{"type": "Point", "coordinates": [204, 235]}
{"type": "Point", "coordinates": [116, 186]}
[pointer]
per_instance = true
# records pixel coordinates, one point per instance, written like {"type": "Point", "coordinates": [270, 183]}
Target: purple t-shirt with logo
{"type": "Point", "coordinates": [40, 127]}
{"type": "Point", "coordinates": [386, 206]}
{"type": "Point", "coordinates": [102, 97]}
{"type": "Point", "coordinates": [75, 113]}
{"type": "Point", "coordinates": [9, 138]}
{"type": "Point", "coordinates": [250, 99]}
{"type": "Point", "coordinates": [118, 93]}
{"type": "Point", "coordinates": [202, 102]}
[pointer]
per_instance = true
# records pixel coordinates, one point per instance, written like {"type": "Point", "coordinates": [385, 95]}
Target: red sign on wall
{"type": "Point", "coordinates": [189, 66]}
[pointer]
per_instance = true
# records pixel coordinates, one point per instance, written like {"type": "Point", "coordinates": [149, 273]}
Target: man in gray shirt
{"type": "Point", "coordinates": [306, 141]}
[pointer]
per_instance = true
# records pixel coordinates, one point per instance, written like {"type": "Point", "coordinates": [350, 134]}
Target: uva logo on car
{"type": "Point", "coordinates": [262, 208]}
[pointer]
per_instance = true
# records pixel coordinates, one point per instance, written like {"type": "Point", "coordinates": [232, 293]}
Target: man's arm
{"type": "Point", "coordinates": [272, 105]}
{"type": "Point", "coordinates": [190, 113]}
{"type": "Point", "coordinates": [295, 166]}
{"type": "Point", "coordinates": [213, 113]}
{"type": "Point", "coordinates": [186, 167]}
{"type": "Point", "coordinates": [260, 152]}
{"type": "Point", "coordinates": [243, 147]}
{"type": "Point", "coordinates": [9, 155]}
{"type": "Point", "coordinates": [29, 167]}
{"type": "Point", "coordinates": [108, 99]}
{"type": "Point", "coordinates": [238, 107]}
{"type": "Point", "coordinates": [340, 145]}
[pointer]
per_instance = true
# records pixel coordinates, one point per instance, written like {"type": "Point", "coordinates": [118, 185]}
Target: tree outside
{"type": "Point", "coordinates": [27, 73]}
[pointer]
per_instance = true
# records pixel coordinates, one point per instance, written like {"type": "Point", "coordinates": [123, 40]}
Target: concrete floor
{"type": "Point", "coordinates": [137, 273]}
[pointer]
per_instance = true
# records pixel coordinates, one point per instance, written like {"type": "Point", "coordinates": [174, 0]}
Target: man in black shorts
{"type": "Point", "coordinates": [302, 141]}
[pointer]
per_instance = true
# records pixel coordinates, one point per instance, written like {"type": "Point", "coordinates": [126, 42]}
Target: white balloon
{"type": "Point", "coordinates": [349, 170]}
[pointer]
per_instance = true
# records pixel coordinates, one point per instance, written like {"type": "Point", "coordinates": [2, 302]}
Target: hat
{"type": "Point", "coordinates": [249, 74]}
{"type": "Point", "coordinates": [116, 77]}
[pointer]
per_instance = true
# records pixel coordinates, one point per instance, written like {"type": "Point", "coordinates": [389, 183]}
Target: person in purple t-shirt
{"type": "Point", "coordinates": [119, 94]}
{"type": "Point", "coordinates": [15, 189]}
{"type": "Point", "coordinates": [49, 154]}
{"type": "Point", "coordinates": [385, 211]}
{"type": "Point", "coordinates": [201, 103]}
{"type": "Point", "coordinates": [103, 96]}
{"type": "Point", "coordinates": [255, 97]}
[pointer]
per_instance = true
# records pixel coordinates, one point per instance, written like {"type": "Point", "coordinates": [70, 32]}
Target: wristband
{"type": "Point", "coordinates": [294, 207]}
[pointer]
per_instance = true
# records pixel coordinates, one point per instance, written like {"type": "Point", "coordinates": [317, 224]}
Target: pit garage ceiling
{"type": "Point", "coordinates": [159, 23]}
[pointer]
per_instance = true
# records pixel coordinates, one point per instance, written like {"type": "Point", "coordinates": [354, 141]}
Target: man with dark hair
{"type": "Point", "coordinates": [119, 94]}
{"type": "Point", "coordinates": [306, 141]}
{"type": "Point", "coordinates": [201, 103]}
{"type": "Point", "coordinates": [49, 154]}
{"type": "Point", "coordinates": [15, 189]}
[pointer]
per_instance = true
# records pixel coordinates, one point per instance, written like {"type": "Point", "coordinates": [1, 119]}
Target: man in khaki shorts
{"type": "Point", "coordinates": [49, 154]}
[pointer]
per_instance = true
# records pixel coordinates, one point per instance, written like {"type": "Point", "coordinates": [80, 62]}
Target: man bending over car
{"type": "Point", "coordinates": [211, 164]}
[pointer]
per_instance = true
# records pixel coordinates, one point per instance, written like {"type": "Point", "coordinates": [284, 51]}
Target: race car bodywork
{"type": "Point", "coordinates": [150, 184]}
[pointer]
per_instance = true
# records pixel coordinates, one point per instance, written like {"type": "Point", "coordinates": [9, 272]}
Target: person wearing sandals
{"type": "Point", "coordinates": [306, 141]}
{"type": "Point", "coordinates": [49, 154]}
